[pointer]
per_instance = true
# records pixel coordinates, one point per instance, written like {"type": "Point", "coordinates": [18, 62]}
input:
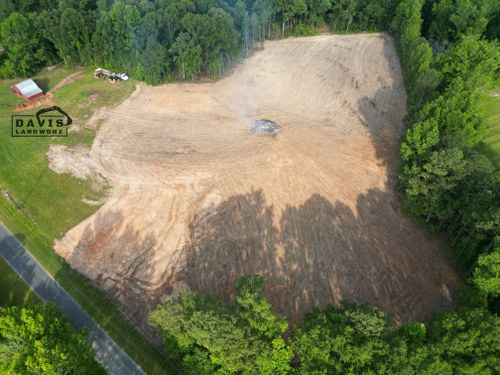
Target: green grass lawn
{"type": "Point", "coordinates": [45, 205]}
{"type": "Point", "coordinates": [53, 201]}
{"type": "Point", "coordinates": [13, 290]}
{"type": "Point", "coordinates": [490, 108]}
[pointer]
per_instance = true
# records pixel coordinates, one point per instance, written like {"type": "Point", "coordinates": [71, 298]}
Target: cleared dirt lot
{"type": "Point", "coordinates": [198, 200]}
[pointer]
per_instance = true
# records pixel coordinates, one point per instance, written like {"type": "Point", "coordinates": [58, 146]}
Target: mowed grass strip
{"type": "Point", "coordinates": [41, 205]}
{"type": "Point", "coordinates": [13, 290]}
{"type": "Point", "coordinates": [490, 111]}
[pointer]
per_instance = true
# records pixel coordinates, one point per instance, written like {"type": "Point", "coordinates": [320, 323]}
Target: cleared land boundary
{"type": "Point", "coordinates": [37, 219]}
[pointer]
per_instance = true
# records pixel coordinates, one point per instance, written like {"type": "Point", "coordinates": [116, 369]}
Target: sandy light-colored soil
{"type": "Point", "coordinates": [198, 200]}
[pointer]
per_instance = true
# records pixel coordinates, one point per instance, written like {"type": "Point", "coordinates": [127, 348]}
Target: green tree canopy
{"type": "Point", "coordinates": [243, 336]}
{"type": "Point", "coordinates": [487, 273]}
{"type": "Point", "coordinates": [453, 19]}
{"type": "Point", "coordinates": [347, 340]}
{"type": "Point", "coordinates": [26, 51]}
{"type": "Point", "coordinates": [38, 340]}
{"type": "Point", "coordinates": [468, 339]}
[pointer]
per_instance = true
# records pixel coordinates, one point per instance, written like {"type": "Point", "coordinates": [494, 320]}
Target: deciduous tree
{"type": "Point", "coordinates": [38, 340]}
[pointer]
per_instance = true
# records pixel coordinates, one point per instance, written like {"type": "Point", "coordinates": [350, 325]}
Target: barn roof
{"type": "Point", "coordinates": [28, 88]}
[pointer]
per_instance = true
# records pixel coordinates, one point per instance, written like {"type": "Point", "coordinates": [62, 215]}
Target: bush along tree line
{"type": "Point", "coordinates": [37, 340]}
{"type": "Point", "coordinates": [244, 336]}
{"type": "Point", "coordinates": [157, 41]}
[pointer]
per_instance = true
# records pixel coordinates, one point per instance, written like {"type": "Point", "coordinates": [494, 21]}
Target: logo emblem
{"type": "Point", "coordinates": [42, 124]}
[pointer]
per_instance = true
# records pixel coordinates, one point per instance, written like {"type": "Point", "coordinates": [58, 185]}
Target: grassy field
{"type": "Point", "coordinates": [13, 290]}
{"type": "Point", "coordinates": [490, 108]}
{"type": "Point", "coordinates": [53, 201]}
{"type": "Point", "coordinates": [44, 205]}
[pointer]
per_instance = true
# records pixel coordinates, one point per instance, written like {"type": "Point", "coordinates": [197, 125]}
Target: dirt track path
{"type": "Point", "coordinates": [67, 80]}
{"type": "Point", "coordinates": [198, 200]}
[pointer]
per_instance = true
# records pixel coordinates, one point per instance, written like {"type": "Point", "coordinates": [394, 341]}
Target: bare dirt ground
{"type": "Point", "coordinates": [198, 200]}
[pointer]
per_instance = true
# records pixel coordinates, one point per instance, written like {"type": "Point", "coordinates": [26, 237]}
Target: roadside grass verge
{"type": "Point", "coordinates": [39, 205]}
{"type": "Point", "coordinates": [13, 290]}
{"type": "Point", "coordinates": [94, 302]}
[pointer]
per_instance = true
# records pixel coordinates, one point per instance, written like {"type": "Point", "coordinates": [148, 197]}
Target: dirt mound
{"type": "Point", "coordinates": [197, 200]}
{"type": "Point", "coordinates": [43, 100]}
{"type": "Point", "coordinates": [75, 161]}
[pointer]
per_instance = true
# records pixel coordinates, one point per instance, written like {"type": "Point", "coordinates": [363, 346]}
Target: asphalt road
{"type": "Point", "coordinates": [108, 353]}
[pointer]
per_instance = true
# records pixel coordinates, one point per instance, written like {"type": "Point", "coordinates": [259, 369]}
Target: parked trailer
{"type": "Point", "coordinates": [112, 77]}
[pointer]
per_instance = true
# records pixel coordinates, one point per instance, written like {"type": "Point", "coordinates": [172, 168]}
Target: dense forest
{"type": "Point", "coordinates": [449, 53]}
{"type": "Point", "coordinates": [157, 41]}
{"type": "Point", "coordinates": [447, 183]}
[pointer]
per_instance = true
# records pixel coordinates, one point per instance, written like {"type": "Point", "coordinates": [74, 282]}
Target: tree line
{"type": "Point", "coordinates": [447, 183]}
{"type": "Point", "coordinates": [158, 41]}
{"type": "Point", "coordinates": [244, 336]}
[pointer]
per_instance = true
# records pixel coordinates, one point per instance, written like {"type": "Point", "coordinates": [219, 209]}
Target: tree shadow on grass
{"type": "Point", "coordinates": [20, 237]}
{"type": "Point", "coordinates": [43, 83]}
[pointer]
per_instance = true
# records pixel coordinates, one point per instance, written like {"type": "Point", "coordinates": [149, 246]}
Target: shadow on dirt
{"type": "Point", "coordinates": [106, 242]}
{"type": "Point", "coordinates": [310, 255]}
{"type": "Point", "coordinates": [319, 253]}
{"type": "Point", "coordinates": [383, 113]}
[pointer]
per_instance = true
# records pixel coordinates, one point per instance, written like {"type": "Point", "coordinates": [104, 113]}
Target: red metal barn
{"type": "Point", "coordinates": [28, 90]}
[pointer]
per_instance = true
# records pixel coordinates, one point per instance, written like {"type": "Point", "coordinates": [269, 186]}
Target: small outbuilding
{"type": "Point", "coordinates": [28, 90]}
